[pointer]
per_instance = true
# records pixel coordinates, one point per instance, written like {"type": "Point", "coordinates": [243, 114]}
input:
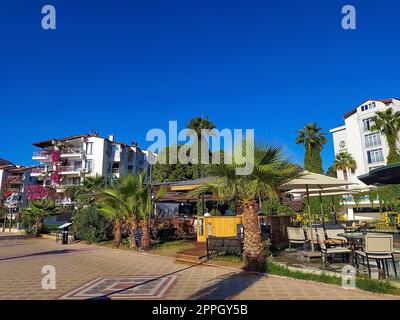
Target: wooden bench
{"type": "Point", "coordinates": [223, 244]}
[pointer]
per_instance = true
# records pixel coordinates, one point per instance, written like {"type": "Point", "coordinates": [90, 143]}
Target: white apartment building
{"type": "Point", "coordinates": [368, 148]}
{"type": "Point", "coordinates": [85, 155]}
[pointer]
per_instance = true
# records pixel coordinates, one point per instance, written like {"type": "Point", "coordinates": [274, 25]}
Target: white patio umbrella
{"type": "Point", "coordinates": [314, 181]}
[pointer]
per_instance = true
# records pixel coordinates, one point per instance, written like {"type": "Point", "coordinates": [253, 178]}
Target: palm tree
{"type": "Point", "coordinates": [122, 197]}
{"type": "Point", "coordinates": [146, 202]}
{"type": "Point", "coordinates": [37, 211]}
{"type": "Point", "coordinates": [271, 169]}
{"type": "Point", "coordinates": [388, 123]}
{"type": "Point", "coordinates": [114, 211]}
{"type": "Point", "coordinates": [344, 161]}
{"type": "Point", "coordinates": [197, 124]}
{"type": "Point", "coordinates": [313, 140]}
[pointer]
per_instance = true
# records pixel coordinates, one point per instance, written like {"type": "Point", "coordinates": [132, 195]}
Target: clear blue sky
{"type": "Point", "coordinates": [124, 67]}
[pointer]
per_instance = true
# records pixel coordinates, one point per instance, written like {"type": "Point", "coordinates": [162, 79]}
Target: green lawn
{"type": "Point", "coordinates": [362, 283]}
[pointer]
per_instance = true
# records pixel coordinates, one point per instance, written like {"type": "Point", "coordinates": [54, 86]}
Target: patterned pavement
{"type": "Point", "coordinates": [91, 272]}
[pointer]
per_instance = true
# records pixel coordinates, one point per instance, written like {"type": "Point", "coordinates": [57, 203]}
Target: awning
{"type": "Point", "coordinates": [383, 175]}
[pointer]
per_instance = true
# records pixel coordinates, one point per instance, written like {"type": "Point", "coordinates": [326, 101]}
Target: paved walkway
{"type": "Point", "coordinates": [84, 272]}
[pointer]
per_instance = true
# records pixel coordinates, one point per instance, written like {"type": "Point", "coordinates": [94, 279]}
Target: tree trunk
{"type": "Point", "coordinates": [133, 228]}
{"type": "Point", "coordinates": [146, 240]}
{"type": "Point", "coordinates": [117, 234]}
{"type": "Point", "coordinates": [345, 175]}
{"type": "Point", "coordinates": [254, 247]}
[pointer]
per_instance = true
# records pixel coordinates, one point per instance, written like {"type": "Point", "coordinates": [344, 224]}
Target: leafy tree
{"type": "Point", "coordinates": [313, 140]}
{"type": "Point", "coordinates": [331, 172]}
{"type": "Point", "coordinates": [388, 123]}
{"type": "Point", "coordinates": [92, 226]}
{"type": "Point", "coordinates": [38, 209]}
{"type": "Point", "coordinates": [171, 172]}
{"type": "Point", "coordinates": [271, 169]}
{"type": "Point", "coordinates": [344, 161]}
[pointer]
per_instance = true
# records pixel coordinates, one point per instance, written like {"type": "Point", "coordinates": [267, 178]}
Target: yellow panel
{"type": "Point", "coordinates": [221, 226]}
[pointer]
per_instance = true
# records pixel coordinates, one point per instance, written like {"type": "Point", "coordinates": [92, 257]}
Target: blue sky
{"type": "Point", "coordinates": [124, 67]}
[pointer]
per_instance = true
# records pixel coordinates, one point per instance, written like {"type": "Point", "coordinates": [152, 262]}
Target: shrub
{"type": "Point", "coordinates": [91, 226]}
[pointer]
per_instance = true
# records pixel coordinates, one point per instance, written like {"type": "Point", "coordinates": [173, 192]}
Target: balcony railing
{"type": "Point", "coordinates": [69, 151]}
{"type": "Point", "coordinates": [40, 154]}
{"type": "Point", "coordinates": [114, 170]}
{"type": "Point", "coordinates": [69, 169]}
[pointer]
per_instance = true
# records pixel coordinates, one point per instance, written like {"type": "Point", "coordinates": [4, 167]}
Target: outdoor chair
{"type": "Point", "coordinates": [314, 235]}
{"type": "Point", "coordinates": [334, 238]}
{"type": "Point", "coordinates": [380, 248]}
{"type": "Point", "coordinates": [326, 252]}
{"type": "Point", "coordinates": [296, 235]}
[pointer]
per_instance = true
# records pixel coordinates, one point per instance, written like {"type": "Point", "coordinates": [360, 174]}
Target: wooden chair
{"type": "Point", "coordinates": [329, 252]}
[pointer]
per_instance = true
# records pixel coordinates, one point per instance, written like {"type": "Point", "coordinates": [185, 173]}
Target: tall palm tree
{"type": "Point", "coordinates": [313, 140]}
{"type": "Point", "coordinates": [197, 124]}
{"type": "Point", "coordinates": [37, 211]}
{"type": "Point", "coordinates": [388, 123]}
{"type": "Point", "coordinates": [271, 169]}
{"type": "Point", "coordinates": [344, 161]}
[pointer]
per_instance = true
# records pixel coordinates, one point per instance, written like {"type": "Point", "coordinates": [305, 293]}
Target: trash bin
{"type": "Point", "coordinates": [64, 232]}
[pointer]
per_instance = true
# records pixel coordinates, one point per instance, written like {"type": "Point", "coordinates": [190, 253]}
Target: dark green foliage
{"type": "Point", "coordinates": [171, 172]}
{"type": "Point", "coordinates": [91, 226]}
{"type": "Point", "coordinates": [331, 172]}
{"type": "Point", "coordinates": [313, 160]}
{"type": "Point", "coordinates": [326, 206]}
{"type": "Point", "coordinates": [313, 140]}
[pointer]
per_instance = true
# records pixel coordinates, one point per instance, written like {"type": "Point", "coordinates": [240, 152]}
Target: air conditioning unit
{"type": "Point", "coordinates": [84, 170]}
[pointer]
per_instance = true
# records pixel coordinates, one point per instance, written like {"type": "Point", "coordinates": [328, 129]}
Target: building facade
{"type": "Point", "coordinates": [14, 182]}
{"type": "Point", "coordinates": [67, 161]}
{"type": "Point", "coordinates": [368, 148]}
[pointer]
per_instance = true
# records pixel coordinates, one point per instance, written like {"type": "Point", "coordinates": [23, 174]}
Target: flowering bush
{"type": "Point", "coordinates": [55, 156]}
{"type": "Point", "coordinates": [55, 177]}
{"type": "Point", "coordinates": [37, 192]}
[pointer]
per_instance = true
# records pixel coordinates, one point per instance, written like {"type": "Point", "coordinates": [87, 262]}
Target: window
{"type": "Point", "coordinates": [89, 165]}
{"type": "Point", "coordinates": [375, 156]}
{"type": "Point", "coordinates": [89, 148]}
{"type": "Point", "coordinates": [130, 155]}
{"type": "Point", "coordinates": [368, 106]}
{"type": "Point", "coordinates": [130, 168]}
{"type": "Point", "coordinates": [367, 124]}
{"type": "Point", "coordinates": [77, 165]}
{"type": "Point", "coordinates": [373, 140]}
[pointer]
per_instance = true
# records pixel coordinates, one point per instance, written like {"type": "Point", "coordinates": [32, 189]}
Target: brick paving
{"type": "Point", "coordinates": [21, 262]}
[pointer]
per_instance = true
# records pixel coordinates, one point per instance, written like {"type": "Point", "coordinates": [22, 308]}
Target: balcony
{"type": "Point", "coordinates": [69, 170]}
{"type": "Point", "coordinates": [41, 156]}
{"type": "Point", "coordinates": [40, 171]}
{"type": "Point", "coordinates": [72, 153]}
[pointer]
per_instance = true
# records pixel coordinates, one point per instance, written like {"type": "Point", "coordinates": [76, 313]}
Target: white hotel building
{"type": "Point", "coordinates": [87, 155]}
{"type": "Point", "coordinates": [368, 148]}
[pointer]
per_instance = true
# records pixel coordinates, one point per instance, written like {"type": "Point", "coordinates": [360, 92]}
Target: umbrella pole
{"type": "Point", "coordinates": [322, 210]}
{"type": "Point", "coordinates": [309, 218]}
{"type": "Point", "coordinates": [334, 210]}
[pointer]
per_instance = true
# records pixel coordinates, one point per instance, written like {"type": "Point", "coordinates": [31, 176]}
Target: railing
{"type": "Point", "coordinates": [41, 170]}
{"type": "Point", "coordinates": [40, 154]}
{"type": "Point", "coordinates": [114, 170]}
{"type": "Point", "coordinates": [68, 169]}
{"type": "Point", "coordinates": [72, 151]}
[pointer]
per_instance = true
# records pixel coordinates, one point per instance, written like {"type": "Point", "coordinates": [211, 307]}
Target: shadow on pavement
{"type": "Point", "coordinates": [227, 286]}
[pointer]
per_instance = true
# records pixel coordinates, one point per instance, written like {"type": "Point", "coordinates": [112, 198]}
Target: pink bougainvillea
{"type": "Point", "coordinates": [55, 156]}
{"type": "Point", "coordinates": [55, 177]}
{"type": "Point", "coordinates": [37, 192]}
